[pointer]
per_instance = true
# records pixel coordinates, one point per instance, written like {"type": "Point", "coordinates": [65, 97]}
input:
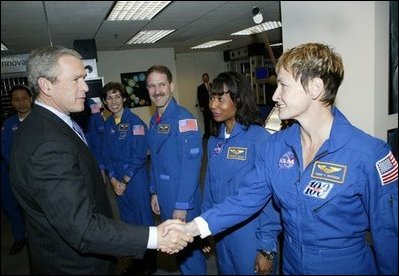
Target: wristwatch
{"type": "Point", "coordinates": [269, 255]}
{"type": "Point", "coordinates": [123, 181]}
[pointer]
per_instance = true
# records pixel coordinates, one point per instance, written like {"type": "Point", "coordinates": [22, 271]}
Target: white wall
{"type": "Point", "coordinates": [190, 67]}
{"type": "Point", "coordinates": [359, 31]}
{"type": "Point", "coordinates": [112, 63]}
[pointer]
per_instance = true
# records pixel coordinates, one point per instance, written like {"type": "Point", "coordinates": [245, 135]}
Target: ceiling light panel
{"type": "Point", "coordinates": [150, 36]}
{"type": "Point", "coordinates": [136, 10]}
{"type": "Point", "coordinates": [270, 25]}
{"type": "Point", "coordinates": [210, 44]}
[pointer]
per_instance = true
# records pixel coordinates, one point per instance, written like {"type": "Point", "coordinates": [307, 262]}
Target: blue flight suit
{"type": "Point", "coordinates": [229, 161]}
{"type": "Point", "coordinates": [10, 205]}
{"type": "Point", "coordinates": [125, 153]}
{"type": "Point", "coordinates": [350, 187]}
{"type": "Point", "coordinates": [95, 131]}
{"type": "Point", "coordinates": [92, 123]}
{"type": "Point", "coordinates": [176, 150]}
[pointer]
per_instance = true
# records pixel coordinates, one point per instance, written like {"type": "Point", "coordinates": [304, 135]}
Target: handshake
{"type": "Point", "coordinates": [174, 235]}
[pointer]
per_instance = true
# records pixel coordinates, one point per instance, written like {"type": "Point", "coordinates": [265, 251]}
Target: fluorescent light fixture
{"type": "Point", "coordinates": [3, 47]}
{"type": "Point", "coordinates": [150, 36]}
{"type": "Point", "coordinates": [276, 44]}
{"type": "Point", "coordinates": [210, 44]}
{"type": "Point", "coordinates": [259, 28]}
{"type": "Point", "coordinates": [136, 10]}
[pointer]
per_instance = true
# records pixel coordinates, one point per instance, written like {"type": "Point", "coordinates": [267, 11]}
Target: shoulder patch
{"type": "Point", "coordinates": [387, 168]}
{"type": "Point", "coordinates": [188, 125]}
{"type": "Point", "coordinates": [94, 108]}
{"type": "Point", "coordinates": [138, 130]}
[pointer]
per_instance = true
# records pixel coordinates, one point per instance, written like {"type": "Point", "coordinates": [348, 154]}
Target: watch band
{"type": "Point", "coordinates": [269, 255]}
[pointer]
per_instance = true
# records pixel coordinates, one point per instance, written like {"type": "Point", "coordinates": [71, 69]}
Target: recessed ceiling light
{"type": "Point", "coordinates": [210, 44]}
{"type": "Point", "coordinates": [136, 10]}
{"type": "Point", "coordinates": [259, 28]}
{"type": "Point", "coordinates": [149, 36]}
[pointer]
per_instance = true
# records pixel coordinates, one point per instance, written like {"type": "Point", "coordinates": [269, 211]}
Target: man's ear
{"type": "Point", "coordinates": [45, 86]}
{"type": "Point", "coordinates": [316, 88]}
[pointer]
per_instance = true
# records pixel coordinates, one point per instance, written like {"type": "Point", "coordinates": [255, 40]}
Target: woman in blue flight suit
{"type": "Point", "coordinates": [231, 155]}
{"type": "Point", "coordinates": [332, 182]}
{"type": "Point", "coordinates": [21, 99]}
{"type": "Point", "coordinates": [125, 160]}
{"type": "Point", "coordinates": [125, 157]}
{"type": "Point", "coordinates": [176, 150]}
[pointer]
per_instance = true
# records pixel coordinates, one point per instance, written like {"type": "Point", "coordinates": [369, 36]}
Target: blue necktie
{"type": "Point", "coordinates": [77, 128]}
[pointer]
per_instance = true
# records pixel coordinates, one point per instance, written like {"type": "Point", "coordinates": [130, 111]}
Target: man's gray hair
{"type": "Point", "coordinates": [42, 63]}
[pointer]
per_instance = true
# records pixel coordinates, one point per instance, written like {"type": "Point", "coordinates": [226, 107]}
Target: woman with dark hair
{"type": "Point", "coordinates": [125, 160]}
{"type": "Point", "coordinates": [231, 155]}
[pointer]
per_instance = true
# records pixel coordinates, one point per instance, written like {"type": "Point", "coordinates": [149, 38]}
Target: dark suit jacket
{"type": "Point", "coordinates": [59, 185]}
{"type": "Point", "coordinates": [203, 96]}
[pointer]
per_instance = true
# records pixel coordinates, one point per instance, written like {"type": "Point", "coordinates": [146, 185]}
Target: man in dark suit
{"type": "Point", "coordinates": [59, 185]}
{"type": "Point", "coordinates": [203, 102]}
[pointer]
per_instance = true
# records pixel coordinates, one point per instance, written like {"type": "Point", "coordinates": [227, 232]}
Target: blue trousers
{"type": "Point", "coordinates": [11, 207]}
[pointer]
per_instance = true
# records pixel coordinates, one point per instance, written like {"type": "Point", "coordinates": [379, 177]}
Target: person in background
{"type": "Point", "coordinates": [21, 100]}
{"type": "Point", "coordinates": [59, 185]}
{"type": "Point", "coordinates": [125, 160]}
{"type": "Point", "coordinates": [331, 181]}
{"type": "Point", "coordinates": [92, 123]}
{"type": "Point", "coordinates": [176, 151]}
{"type": "Point", "coordinates": [203, 91]}
{"type": "Point", "coordinates": [231, 156]}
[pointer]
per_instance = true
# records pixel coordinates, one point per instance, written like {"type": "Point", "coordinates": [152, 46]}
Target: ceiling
{"type": "Point", "coordinates": [24, 26]}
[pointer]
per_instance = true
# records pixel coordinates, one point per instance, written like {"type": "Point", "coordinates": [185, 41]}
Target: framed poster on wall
{"type": "Point", "coordinates": [136, 88]}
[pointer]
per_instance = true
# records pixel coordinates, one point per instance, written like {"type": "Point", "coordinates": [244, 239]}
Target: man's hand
{"type": "Point", "coordinates": [206, 245]}
{"type": "Point", "coordinates": [155, 205]}
{"type": "Point", "coordinates": [190, 228]}
{"type": "Point", "coordinates": [174, 240]}
{"type": "Point", "coordinates": [263, 266]}
{"type": "Point", "coordinates": [180, 214]}
{"type": "Point", "coordinates": [119, 188]}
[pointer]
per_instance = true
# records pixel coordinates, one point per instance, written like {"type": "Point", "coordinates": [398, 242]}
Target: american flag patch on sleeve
{"type": "Point", "coordinates": [188, 125]}
{"type": "Point", "coordinates": [387, 169]}
{"type": "Point", "coordinates": [138, 130]}
{"type": "Point", "coordinates": [94, 108]}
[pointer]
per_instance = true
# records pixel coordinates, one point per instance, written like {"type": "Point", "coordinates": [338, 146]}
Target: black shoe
{"type": "Point", "coordinates": [17, 246]}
